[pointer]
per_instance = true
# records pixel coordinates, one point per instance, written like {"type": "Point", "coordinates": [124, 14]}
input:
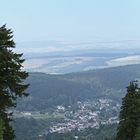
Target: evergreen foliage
{"type": "Point", "coordinates": [137, 135]}
{"type": "Point", "coordinates": [1, 129]}
{"type": "Point", "coordinates": [129, 114]}
{"type": "Point", "coordinates": [11, 79]}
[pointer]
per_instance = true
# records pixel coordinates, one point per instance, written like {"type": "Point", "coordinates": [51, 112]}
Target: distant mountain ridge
{"type": "Point", "coordinates": [59, 57]}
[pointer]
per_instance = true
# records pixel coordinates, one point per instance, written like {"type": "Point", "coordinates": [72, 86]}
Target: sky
{"type": "Point", "coordinates": [72, 20]}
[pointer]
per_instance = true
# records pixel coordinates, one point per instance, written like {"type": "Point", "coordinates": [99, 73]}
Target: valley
{"type": "Point", "coordinates": [73, 103]}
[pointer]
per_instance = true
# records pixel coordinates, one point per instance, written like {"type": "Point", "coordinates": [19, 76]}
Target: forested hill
{"type": "Point", "coordinates": [47, 91]}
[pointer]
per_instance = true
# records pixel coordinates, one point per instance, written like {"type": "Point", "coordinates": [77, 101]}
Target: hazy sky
{"type": "Point", "coordinates": [72, 20]}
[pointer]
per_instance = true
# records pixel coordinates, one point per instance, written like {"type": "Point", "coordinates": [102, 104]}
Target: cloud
{"type": "Point", "coordinates": [45, 47]}
{"type": "Point", "coordinates": [34, 63]}
{"type": "Point", "coordinates": [53, 64]}
{"type": "Point", "coordinates": [135, 59]}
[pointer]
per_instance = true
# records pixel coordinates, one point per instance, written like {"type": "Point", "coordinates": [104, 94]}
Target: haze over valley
{"type": "Point", "coordinates": [56, 57]}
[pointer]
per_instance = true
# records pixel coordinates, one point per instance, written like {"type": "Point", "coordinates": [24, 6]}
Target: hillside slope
{"type": "Point", "coordinates": [47, 91]}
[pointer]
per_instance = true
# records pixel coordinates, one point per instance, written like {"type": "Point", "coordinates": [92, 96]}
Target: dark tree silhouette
{"type": "Point", "coordinates": [11, 79]}
{"type": "Point", "coordinates": [130, 113]}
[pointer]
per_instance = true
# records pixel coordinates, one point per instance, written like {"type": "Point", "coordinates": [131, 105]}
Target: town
{"type": "Point", "coordinates": [80, 116]}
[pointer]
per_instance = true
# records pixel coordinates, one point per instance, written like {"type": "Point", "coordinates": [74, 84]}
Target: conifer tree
{"type": "Point", "coordinates": [1, 129]}
{"type": "Point", "coordinates": [130, 113]}
{"type": "Point", "coordinates": [137, 135]}
{"type": "Point", "coordinates": [12, 79]}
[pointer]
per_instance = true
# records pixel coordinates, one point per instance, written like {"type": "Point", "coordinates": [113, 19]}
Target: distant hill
{"type": "Point", "coordinates": [64, 57]}
{"type": "Point", "coordinates": [47, 91]}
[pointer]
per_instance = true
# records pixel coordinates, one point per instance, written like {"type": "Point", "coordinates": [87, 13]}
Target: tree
{"type": "Point", "coordinates": [130, 113]}
{"type": "Point", "coordinates": [137, 135]}
{"type": "Point", "coordinates": [12, 79]}
{"type": "Point", "coordinates": [1, 129]}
